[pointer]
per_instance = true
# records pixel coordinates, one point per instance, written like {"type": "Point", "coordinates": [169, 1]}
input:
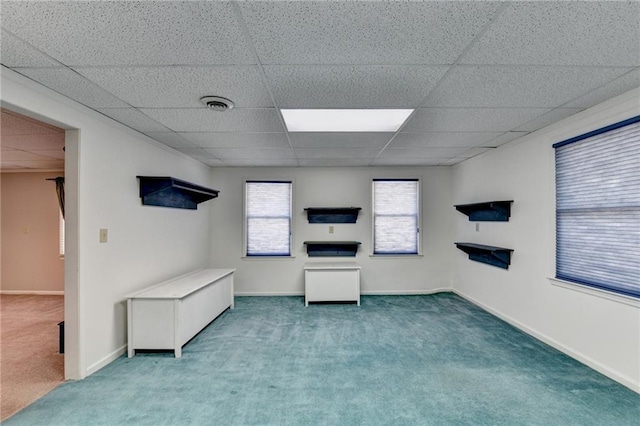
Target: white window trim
{"type": "Point", "coordinates": [420, 220]}
{"type": "Point", "coordinates": [244, 255]}
{"type": "Point", "coordinates": [597, 292]}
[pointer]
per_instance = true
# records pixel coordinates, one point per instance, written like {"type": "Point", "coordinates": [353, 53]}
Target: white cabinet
{"type": "Point", "coordinates": [331, 282]}
{"type": "Point", "coordinates": [169, 314]}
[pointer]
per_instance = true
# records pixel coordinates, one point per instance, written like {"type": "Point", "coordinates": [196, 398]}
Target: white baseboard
{"type": "Point", "coordinates": [612, 374]}
{"type": "Point", "coordinates": [33, 293]}
{"type": "Point", "coordinates": [106, 360]}
{"type": "Point", "coordinates": [363, 293]}
{"type": "Point", "coordinates": [267, 294]}
{"type": "Point", "coordinates": [403, 292]}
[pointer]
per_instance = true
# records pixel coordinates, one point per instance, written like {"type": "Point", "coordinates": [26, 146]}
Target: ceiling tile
{"type": "Point", "coordinates": [336, 153]}
{"type": "Point", "coordinates": [550, 117]}
{"type": "Point", "coordinates": [130, 33]}
{"type": "Point", "coordinates": [197, 153]}
{"type": "Point", "coordinates": [335, 162]}
{"type": "Point", "coordinates": [16, 155]}
{"type": "Point", "coordinates": [30, 164]}
{"type": "Point", "coordinates": [340, 139]}
{"type": "Point", "coordinates": [422, 152]}
{"type": "Point", "coordinates": [237, 140]}
{"type": "Point", "coordinates": [442, 139]}
{"type": "Point", "coordinates": [171, 139]}
{"type": "Point", "coordinates": [182, 87]}
{"type": "Point", "coordinates": [364, 32]}
{"type": "Point", "coordinates": [34, 142]}
{"type": "Point", "coordinates": [205, 120]}
{"type": "Point", "coordinates": [517, 86]}
{"type": "Point", "coordinates": [16, 53]}
{"type": "Point", "coordinates": [134, 118]}
{"type": "Point", "coordinates": [561, 33]}
{"type": "Point", "coordinates": [352, 86]}
{"type": "Point", "coordinates": [58, 154]}
{"type": "Point", "coordinates": [473, 152]}
{"type": "Point", "coordinates": [232, 153]}
{"type": "Point", "coordinates": [505, 138]}
{"type": "Point", "coordinates": [12, 123]}
{"type": "Point", "coordinates": [74, 86]}
{"type": "Point", "coordinates": [622, 84]}
{"type": "Point", "coordinates": [261, 162]}
{"type": "Point", "coordinates": [408, 161]}
{"type": "Point", "coordinates": [470, 119]}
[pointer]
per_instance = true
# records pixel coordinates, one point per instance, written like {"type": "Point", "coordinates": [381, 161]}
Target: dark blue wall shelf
{"type": "Point", "coordinates": [332, 214]}
{"type": "Point", "coordinates": [495, 256]}
{"type": "Point", "coordinates": [332, 248]}
{"type": "Point", "coordinates": [489, 211]}
{"type": "Point", "coordinates": [171, 192]}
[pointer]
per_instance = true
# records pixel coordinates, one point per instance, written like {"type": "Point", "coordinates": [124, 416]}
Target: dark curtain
{"type": "Point", "coordinates": [60, 191]}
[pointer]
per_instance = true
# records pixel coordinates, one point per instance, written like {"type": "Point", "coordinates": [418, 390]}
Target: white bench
{"type": "Point", "coordinates": [169, 314]}
{"type": "Point", "coordinates": [331, 282]}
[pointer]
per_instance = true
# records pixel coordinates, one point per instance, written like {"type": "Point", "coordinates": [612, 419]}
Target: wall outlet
{"type": "Point", "coordinates": [104, 235]}
{"type": "Point", "coordinates": [331, 229]}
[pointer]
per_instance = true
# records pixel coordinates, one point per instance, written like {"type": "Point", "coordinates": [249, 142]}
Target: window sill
{"type": "Point", "coordinates": [396, 256]}
{"type": "Point", "coordinates": [592, 291]}
{"type": "Point", "coordinates": [268, 257]}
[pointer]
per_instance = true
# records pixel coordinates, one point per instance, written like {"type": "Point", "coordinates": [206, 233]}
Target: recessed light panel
{"type": "Point", "coordinates": [345, 120]}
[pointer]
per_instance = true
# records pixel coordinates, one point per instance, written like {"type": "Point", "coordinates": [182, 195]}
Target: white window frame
{"type": "Point", "coordinates": [419, 232]}
{"type": "Point", "coordinates": [246, 255]}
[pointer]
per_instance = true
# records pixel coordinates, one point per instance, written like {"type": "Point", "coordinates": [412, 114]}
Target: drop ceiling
{"type": "Point", "coordinates": [479, 74]}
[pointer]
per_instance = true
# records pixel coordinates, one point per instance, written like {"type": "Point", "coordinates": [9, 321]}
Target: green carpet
{"type": "Point", "coordinates": [396, 360]}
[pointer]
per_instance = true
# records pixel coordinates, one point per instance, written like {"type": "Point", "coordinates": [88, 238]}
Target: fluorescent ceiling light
{"type": "Point", "coordinates": [344, 120]}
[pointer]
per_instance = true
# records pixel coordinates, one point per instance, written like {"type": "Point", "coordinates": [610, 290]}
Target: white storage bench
{"type": "Point", "coordinates": [169, 314]}
{"type": "Point", "coordinates": [331, 282]}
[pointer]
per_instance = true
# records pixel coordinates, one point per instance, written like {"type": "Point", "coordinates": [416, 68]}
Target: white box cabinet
{"type": "Point", "coordinates": [331, 282]}
{"type": "Point", "coordinates": [169, 314]}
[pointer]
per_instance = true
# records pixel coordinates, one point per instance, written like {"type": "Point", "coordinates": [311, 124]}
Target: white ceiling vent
{"type": "Point", "coordinates": [217, 103]}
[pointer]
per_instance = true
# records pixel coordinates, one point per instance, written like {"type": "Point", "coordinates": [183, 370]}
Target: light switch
{"type": "Point", "coordinates": [25, 230]}
{"type": "Point", "coordinates": [477, 227]}
{"type": "Point", "coordinates": [331, 229]}
{"type": "Point", "coordinates": [104, 235]}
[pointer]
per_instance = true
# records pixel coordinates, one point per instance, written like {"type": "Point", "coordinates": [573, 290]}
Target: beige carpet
{"type": "Point", "coordinates": [30, 365]}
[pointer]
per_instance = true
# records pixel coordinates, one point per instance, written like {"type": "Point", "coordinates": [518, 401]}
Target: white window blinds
{"type": "Point", "coordinates": [598, 208]}
{"type": "Point", "coordinates": [395, 216]}
{"type": "Point", "coordinates": [268, 218]}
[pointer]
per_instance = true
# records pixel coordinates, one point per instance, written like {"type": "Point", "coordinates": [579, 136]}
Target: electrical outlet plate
{"type": "Point", "coordinates": [104, 235]}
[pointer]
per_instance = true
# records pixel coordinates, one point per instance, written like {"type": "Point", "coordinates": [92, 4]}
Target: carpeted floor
{"type": "Point", "coordinates": [30, 362]}
{"type": "Point", "coordinates": [396, 360]}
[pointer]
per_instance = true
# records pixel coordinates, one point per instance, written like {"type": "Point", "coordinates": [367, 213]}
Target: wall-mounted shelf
{"type": "Point", "coordinates": [166, 191]}
{"type": "Point", "coordinates": [489, 211]}
{"type": "Point", "coordinates": [332, 248]}
{"type": "Point", "coordinates": [332, 214]}
{"type": "Point", "coordinates": [496, 256]}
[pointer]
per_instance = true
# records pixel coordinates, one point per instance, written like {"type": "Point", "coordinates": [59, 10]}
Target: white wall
{"type": "Point", "coordinates": [146, 244]}
{"type": "Point", "coordinates": [334, 187]}
{"type": "Point", "coordinates": [601, 332]}
{"type": "Point", "coordinates": [31, 260]}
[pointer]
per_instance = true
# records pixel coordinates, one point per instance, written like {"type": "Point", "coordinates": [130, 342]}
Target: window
{"type": "Point", "coordinates": [598, 208]}
{"type": "Point", "coordinates": [268, 218]}
{"type": "Point", "coordinates": [396, 218]}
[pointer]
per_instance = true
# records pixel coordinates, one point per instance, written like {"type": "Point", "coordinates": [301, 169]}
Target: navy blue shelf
{"type": "Point", "coordinates": [332, 214]}
{"type": "Point", "coordinates": [166, 191]}
{"type": "Point", "coordinates": [495, 256]}
{"type": "Point", "coordinates": [489, 211]}
{"type": "Point", "coordinates": [332, 248]}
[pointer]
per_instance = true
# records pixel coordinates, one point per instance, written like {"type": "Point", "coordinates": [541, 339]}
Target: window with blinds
{"type": "Point", "coordinates": [268, 218]}
{"type": "Point", "coordinates": [396, 216]}
{"type": "Point", "coordinates": [598, 208]}
{"type": "Point", "coordinates": [61, 234]}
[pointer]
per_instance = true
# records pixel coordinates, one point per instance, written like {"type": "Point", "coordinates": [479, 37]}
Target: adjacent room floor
{"type": "Point", "coordinates": [30, 362]}
{"type": "Point", "coordinates": [410, 360]}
